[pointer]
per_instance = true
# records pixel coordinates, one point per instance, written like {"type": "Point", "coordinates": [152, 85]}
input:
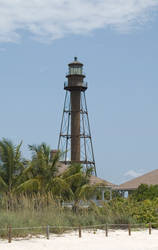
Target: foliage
{"type": "Point", "coordinates": [144, 192]}
{"type": "Point", "coordinates": [78, 181]}
{"type": "Point", "coordinates": [40, 210]}
{"type": "Point", "coordinates": [11, 165]}
{"type": "Point", "coordinates": [31, 189]}
{"type": "Point", "coordinates": [40, 174]}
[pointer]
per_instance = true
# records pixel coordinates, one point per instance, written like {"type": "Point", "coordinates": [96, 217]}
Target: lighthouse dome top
{"type": "Point", "coordinates": [75, 63]}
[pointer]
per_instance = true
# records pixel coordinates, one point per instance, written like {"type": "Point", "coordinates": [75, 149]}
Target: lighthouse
{"type": "Point", "coordinates": [75, 140]}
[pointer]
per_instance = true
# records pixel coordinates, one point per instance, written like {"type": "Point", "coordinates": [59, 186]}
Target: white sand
{"type": "Point", "coordinates": [117, 240]}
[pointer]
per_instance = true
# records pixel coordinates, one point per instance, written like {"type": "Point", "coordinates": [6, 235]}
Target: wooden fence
{"type": "Point", "coordinates": [79, 228]}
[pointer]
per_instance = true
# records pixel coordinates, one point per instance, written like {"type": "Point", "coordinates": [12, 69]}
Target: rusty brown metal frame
{"type": "Point", "coordinates": [64, 144]}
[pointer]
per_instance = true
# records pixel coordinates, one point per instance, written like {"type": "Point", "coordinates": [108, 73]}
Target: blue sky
{"type": "Point", "coordinates": [117, 40]}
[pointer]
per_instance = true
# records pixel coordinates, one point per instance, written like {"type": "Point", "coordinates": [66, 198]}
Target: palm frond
{"type": "Point", "coordinates": [73, 169]}
{"type": "Point", "coordinates": [85, 192]}
{"type": "Point", "coordinates": [31, 185]}
{"type": "Point", "coordinates": [59, 186]}
{"type": "Point", "coordinates": [18, 152]}
{"type": "Point", "coordinates": [3, 185]}
{"type": "Point", "coordinates": [75, 178]}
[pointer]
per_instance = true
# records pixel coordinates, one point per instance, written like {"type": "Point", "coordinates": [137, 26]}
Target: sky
{"type": "Point", "coordinates": [117, 41]}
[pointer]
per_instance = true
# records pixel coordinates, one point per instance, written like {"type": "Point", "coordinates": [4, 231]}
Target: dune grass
{"type": "Point", "coordinates": [42, 210]}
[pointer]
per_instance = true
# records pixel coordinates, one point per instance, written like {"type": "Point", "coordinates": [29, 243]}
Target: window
{"type": "Point", "coordinates": [75, 70]}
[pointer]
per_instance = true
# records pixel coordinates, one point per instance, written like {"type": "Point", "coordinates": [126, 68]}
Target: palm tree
{"type": "Point", "coordinates": [41, 176]}
{"type": "Point", "coordinates": [41, 173]}
{"type": "Point", "coordinates": [78, 180]}
{"type": "Point", "coordinates": [11, 167]}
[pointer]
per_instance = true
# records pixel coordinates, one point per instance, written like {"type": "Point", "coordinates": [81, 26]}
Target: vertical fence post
{"type": "Point", "coordinates": [80, 234]}
{"type": "Point", "coordinates": [129, 229]}
{"type": "Point", "coordinates": [106, 230]}
{"type": "Point", "coordinates": [47, 231]}
{"type": "Point", "coordinates": [9, 234]}
{"type": "Point", "coordinates": [150, 228]}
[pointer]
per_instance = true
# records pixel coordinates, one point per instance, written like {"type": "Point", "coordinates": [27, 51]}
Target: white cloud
{"type": "Point", "coordinates": [52, 19]}
{"type": "Point", "coordinates": [133, 174]}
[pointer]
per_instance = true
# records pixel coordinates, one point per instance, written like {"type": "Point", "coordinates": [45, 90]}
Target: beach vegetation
{"type": "Point", "coordinates": [32, 194]}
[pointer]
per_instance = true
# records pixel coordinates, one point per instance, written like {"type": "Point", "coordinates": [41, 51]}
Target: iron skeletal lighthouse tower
{"type": "Point", "coordinates": [75, 139]}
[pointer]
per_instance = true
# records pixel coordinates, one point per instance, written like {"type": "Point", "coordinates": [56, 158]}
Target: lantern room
{"type": "Point", "coordinates": [75, 68]}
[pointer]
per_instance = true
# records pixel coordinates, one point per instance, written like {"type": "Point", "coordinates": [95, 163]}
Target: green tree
{"type": "Point", "coordinates": [11, 167]}
{"type": "Point", "coordinates": [144, 192]}
{"type": "Point", "coordinates": [41, 175]}
{"type": "Point", "coordinates": [78, 181]}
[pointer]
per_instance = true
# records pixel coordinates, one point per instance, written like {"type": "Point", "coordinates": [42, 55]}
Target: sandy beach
{"type": "Point", "coordinates": [117, 240]}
